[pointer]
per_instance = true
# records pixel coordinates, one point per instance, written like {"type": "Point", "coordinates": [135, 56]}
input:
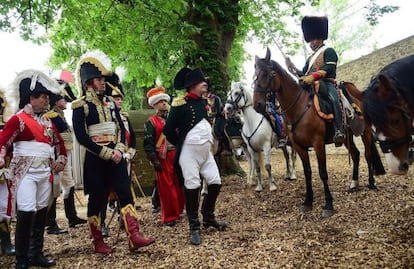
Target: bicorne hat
{"type": "Point", "coordinates": [114, 82]}
{"type": "Point", "coordinates": [157, 94]}
{"type": "Point", "coordinates": [93, 64]}
{"type": "Point", "coordinates": [314, 27]}
{"type": "Point", "coordinates": [185, 78]}
{"type": "Point", "coordinates": [26, 84]}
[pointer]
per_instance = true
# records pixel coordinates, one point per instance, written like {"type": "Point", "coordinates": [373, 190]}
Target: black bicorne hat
{"type": "Point", "coordinates": [185, 78]}
{"type": "Point", "coordinates": [67, 91]}
{"type": "Point", "coordinates": [114, 86]}
{"type": "Point", "coordinates": [315, 28]}
{"type": "Point", "coordinates": [93, 64]}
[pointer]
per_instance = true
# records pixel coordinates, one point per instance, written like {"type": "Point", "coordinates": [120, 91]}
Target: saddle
{"type": "Point", "coordinates": [323, 107]}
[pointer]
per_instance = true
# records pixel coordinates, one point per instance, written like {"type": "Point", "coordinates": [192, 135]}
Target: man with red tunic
{"type": "Point", "coordinates": [38, 153]}
{"type": "Point", "coordinates": [161, 155]}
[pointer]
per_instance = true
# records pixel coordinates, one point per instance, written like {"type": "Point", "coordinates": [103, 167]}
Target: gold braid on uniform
{"type": "Point", "coordinates": [106, 153]}
{"type": "Point", "coordinates": [179, 101]}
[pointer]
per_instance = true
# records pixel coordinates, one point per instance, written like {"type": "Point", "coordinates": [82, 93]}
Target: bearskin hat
{"type": "Point", "coordinates": [93, 64]}
{"type": "Point", "coordinates": [114, 82]}
{"type": "Point", "coordinates": [315, 28]}
{"type": "Point", "coordinates": [185, 78]}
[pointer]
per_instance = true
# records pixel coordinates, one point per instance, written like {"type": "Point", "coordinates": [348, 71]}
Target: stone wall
{"type": "Point", "coordinates": [361, 70]}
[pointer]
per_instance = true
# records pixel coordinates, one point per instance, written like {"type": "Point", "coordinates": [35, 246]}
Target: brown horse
{"type": "Point", "coordinates": [389, 108]}
{"type": "Point", "coordinates": [307, 129]}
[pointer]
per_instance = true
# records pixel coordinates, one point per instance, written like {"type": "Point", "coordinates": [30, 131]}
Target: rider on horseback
{"type": "Point", "coordinates": [321, 65]}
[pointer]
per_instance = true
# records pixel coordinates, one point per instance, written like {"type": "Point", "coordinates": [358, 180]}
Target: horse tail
{"type": "Point", "coordinates": [376, 160]}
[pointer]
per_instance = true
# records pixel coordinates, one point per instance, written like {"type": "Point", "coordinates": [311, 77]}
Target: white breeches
{"type": "Point", "coordinates": [66, 177]}
{"type": "Point", "coordinates": [4, 194]}
{"type": "Point", "coordinates": [196, 160]}
{"type": "Point", "coordinates": [34, 189]}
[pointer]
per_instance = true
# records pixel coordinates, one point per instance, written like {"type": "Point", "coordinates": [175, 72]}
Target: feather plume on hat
{"type": "Point", "coordinates": [91, 64]}
{"type": "Point", "coordinates": [39, 81]}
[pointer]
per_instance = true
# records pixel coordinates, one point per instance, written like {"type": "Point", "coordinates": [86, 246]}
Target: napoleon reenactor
{"type": "Point", "coordinates": [38, 153]}
{"type": "Point", "coordinates": [98, 127]}
{"type": "Point", "coordinates": [188, 128]}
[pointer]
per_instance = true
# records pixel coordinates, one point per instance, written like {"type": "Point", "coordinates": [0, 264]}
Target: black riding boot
{"type": "Point", "coordinates": [52, 227]}
{"type": "Point", "coordinates": [191, 205]}
{"type": "Point", "coordinates": [36, 256]}
{"type": "Point", "coordinates": [70, 210]}
{"type": "Point", "coordinates": [339, 137]}
{"type": "Point", "coordinates": [6, 246]}
{"type": "Point", "coordinates": [208, 207]}
{"type": "Point", "coordinates": [155, 199]}
{"type": "Point", "coordinates": [22, 237]}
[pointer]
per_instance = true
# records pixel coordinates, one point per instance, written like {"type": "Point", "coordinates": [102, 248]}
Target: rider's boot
{"type": "Point", "coordinates": [339, 137]}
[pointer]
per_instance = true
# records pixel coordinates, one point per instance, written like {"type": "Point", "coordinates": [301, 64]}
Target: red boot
{"type": "Point", "coordinates": [96, 234]}
{"type": "Point", "coordinates": [130, 217]}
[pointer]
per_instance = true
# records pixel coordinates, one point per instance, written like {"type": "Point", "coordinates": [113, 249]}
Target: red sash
{"type": "Point", "coordinates": [161, 144]}
{"type": "Point", "coordinates": [37, 130]}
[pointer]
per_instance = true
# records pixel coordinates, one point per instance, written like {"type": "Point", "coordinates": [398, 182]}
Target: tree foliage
{"type": "Point", "coordinates": [153, 39]}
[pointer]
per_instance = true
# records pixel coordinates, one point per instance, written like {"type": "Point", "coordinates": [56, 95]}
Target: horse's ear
{"type": "Point", "coordinates": [384, 87]}
{"type": "Point", "coordinates": [268, 55]}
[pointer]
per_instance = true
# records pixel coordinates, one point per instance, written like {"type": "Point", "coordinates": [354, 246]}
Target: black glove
{"type": "Point", "coordinates": [152, 157]}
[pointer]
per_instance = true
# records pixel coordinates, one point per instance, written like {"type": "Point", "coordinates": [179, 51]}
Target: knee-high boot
{"type": "Point", "coordinates": [70, 210]}
{"type": "Point", "coordinates": [22, 237]}
{"type": "Point", "coordinates": [192, 197]}
{"type": "Point", "coordinates": [155, 200]}
{"type": "Point", "coordinates": [339, 137]}
{"type": "Point", "coordinates": [208, 208]}
{"type": "Point", "coordinates": [36, 256]}
{"type": "Point", "coordinates": [100, 246]}
{"type": "Point", "coordinates": [130, 218]}
{"type": "Point", "coordinates": [6, 246]}
{"type": "Point", "coordinates": [52, 226]}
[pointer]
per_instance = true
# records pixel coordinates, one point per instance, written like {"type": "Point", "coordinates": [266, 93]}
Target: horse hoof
{"type": "Point", "coordinates": [354, 184]}
{"type": "Point", "coordinates": [272, 187]}
{"type": "Point", "coordinates": [305, 208]}
{"type": "Point", "coordinates": [259, 189]}
{"type": "Point", "coordinates": [326, 213]}
{"type": "Point", "coordinates": [373, 188]}
{"type": "Point", "coordinates": [354, 189]}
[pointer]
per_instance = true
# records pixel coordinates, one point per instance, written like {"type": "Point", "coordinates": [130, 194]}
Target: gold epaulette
{"type": "Point", "coordinates": [51, 114]}
{"type": "Point", "coordinates": [179, 101]}
{"type": "Point", "coordinates": [78, 102]}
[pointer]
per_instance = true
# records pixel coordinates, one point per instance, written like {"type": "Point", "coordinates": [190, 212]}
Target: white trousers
{"type": "Point", "coordinates": [34, 190]}
{"type": "Point", "coordinates": [196, 160]}
{"type": "Point", "coordinates": [66, 179]}
{"type": "Point", "coordinates": [4, 194]}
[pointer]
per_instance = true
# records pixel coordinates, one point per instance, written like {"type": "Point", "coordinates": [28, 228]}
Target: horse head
{"type": "Point", "coordinates": [389, 115]}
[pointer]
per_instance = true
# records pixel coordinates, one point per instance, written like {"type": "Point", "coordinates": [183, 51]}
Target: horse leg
{"type": "Point", "coordinates": [373, 160]}
{"type": "Point", "coordinates": [355, 155]}
{"type": "Point", "coordinates": [268, 166]}
{"type": "Point", "coordinates": [292, 163]}
{"type": "Point", "coordinates": [258, 159]}
{"type": "Point", "coordinates": [307, 171]}
{"type": "Point", "coordinates": [327, 210]}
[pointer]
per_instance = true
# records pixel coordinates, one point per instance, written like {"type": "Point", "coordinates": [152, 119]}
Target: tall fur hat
{"type": "Point", "coordinates": [314, 27]}
{"type": "Point", "coordinates": [25, 85]}
{"type": "Point", "coordinates": [157, 94]}
{"type": "Point", "coordinates": [93, 64]}
{"type": "Point", "coordinates": [185, 78]}
{"type": "Point", "coordinates": [66, 93]}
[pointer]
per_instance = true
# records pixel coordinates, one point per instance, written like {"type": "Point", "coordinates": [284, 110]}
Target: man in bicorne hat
{"type": "Point", "coordinates": [321, 66]}
{"type": "Point", "coordinates": [66, 182]}
{"type": "Point", "coordinates": [98, 127]}
{"type": "Point", "coordinates": [188, 128]}
{"type": "Point", "coordinates": [38, 153]}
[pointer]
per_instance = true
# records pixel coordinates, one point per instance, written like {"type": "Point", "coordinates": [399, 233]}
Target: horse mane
{"type": "Point", "coordinates": [374, 108]}
{"type": "Point", "coordinates": [353, 90]}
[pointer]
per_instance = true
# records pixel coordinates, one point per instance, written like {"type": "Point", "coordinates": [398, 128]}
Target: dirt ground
{"type": "Point", "coordinates": [370, 229]}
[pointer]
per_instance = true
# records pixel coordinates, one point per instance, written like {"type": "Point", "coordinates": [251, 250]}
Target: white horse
{"type": "Point", "coordinates": [258, 136]}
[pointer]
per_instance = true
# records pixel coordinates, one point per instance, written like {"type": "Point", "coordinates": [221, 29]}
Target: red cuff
{"type": "Point", "coordinates": [316, 75]}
